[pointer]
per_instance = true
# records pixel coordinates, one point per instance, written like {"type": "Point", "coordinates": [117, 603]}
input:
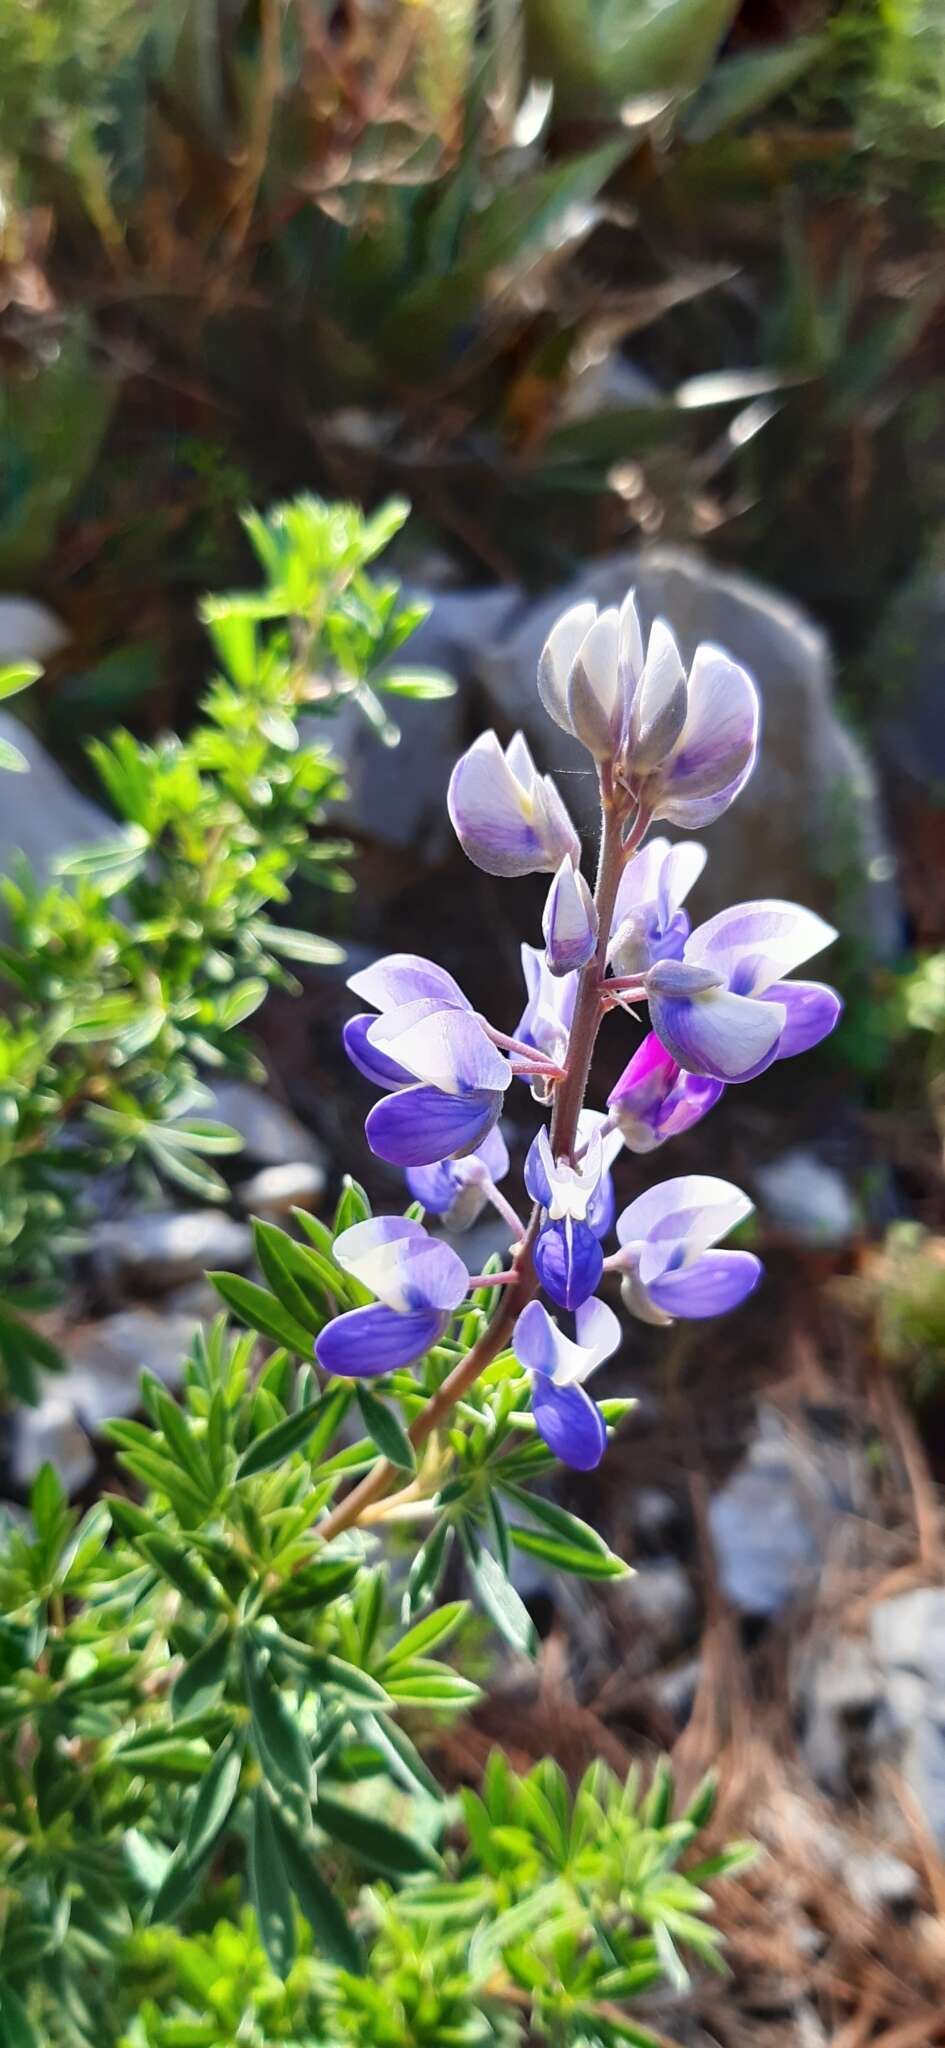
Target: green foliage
{"type": "Point", "coordinates": [216, 1823]}
{"type": "Point", "coordinates": [133, 975]}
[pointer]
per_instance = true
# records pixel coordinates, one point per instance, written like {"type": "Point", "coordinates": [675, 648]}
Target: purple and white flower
{"type": "Point", "coordinates": [691, 740]}
{"type": "Point", "coordinates": [508, 819]}
{"type": "Point", "coordinates": [655, 1100]}
{"type": "Point", "coordinates": [666, 1256]}
{"type": "Point", "coordinates": [649, 922]}
{"type": "Point", "coordinates": [545, 1022]}
{"type": "Point", "coordinates": [578, 1202]}
{"type": "Point", "coordinates": [570, 1422]}
{"type": "Point", "coordinates": [427, 1046]}
{"type": "Point", "coordinates": [458, 1189]}
{"type": "Point", "coordinates": [418, 1284]}
{"type": "Point", "coordinates": [723, 1010]}
{"type": "Point", "coordinates": [683, 745]}
{"type": "Point", "coordinates": [570, 922]}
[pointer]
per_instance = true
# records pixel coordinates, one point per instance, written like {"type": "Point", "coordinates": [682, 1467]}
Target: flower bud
{"type": "Point", "coordinates": [570, 921]}
{"type": "Point", "coordinates": [508, 819]}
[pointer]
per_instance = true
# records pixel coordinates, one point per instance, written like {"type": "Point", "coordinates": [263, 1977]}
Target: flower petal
{"type": "Point", "coordinates": [491, 802]}
{"type": "Point", "coordinates": [569, 1261]}
{"type": "Point", "coordinates": [569, 922]}
{"type": "Point", "coordinates": [557, 655]}
{"type": "Point", "coordinates": [422, 1125]}
{"type": "Point", "coordinates": [730, 1038]}
{"type": "Point", "coordinates": [630, 654]}
{"type": "Point", "coordinates": [594, 699]}
{"type": "Point", "coordinates": [717, 1282]}
{"type": "Point", "coordinates": [655, 1100]}
{"type": "Point", "coordinates": [812, 1010]}
{"type": "Point", "coordinates": [681, 870]}
{"type": "Point", "coordinates": [683, 1216]}
{"type": "Point", "coordinates": [447, 1047]}
{"type": "Point", "coordinates": [570, 1423]}
{"type": "Point", "coordinates": [406, 978]}
{"type": "Point", "coordinates": [598, 1330]}
{"type": "Point", "coordinates": [435, 1186]}
{"type": "Point", "coordinates": [755, 944]}
{"type": "Point", "coordinates": [374, 1253]}
{"type": "Point", "coordinates": [720, 734]}
{"type": "Point", "coordinates": [369, 1341]}
{"type": "Point", "coordinates": [693, 813]}
{"type": "Point", "coordinates": [374, 1065]}
{"type": "Point", "coordinates": [658, 713]}
{"type": "Point", "coordinates": [494, 1154]}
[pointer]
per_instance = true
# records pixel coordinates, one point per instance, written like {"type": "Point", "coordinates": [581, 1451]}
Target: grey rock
{"type": "Point", "coordinates": [881, 1882]}
{"type": "Point", "coordinates": [42, 816]}
{"type": "Point", "coordinates": [675, 1689]}
{"type": "Point", "coordinates": [767, 1523]}
{"type": "Point", "coordinates": [655, 1520]}
{"type": "Point", "coordinates": [104, 1362]}
{"type": "Point", "coordinates": [659, 1604]}
{"type": "Point", "coordinates": [272, 1134]}
{"type": "Point", "coordinates": [275, 1190]}
{"type": "Point", "coordinates": [157, 1250]}
{"type": "Point", "coordinates": [905, 674]}
{"type": "Point", "coordinates": [839, 1693]}
{"type": "Point", "coordinates": [808, 1199]}
{"type": "Point", "coordinates": [908, 1634]}
{"type": "Point", "coordinates": [51, 1434]}
{"type": "Point", "coordinates": [810, 767]}
{"type": "Point", "coordinates": [29, 631]}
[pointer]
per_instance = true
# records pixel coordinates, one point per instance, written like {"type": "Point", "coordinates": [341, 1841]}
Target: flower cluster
{"type": "Point", "coordinates": [668, 744]}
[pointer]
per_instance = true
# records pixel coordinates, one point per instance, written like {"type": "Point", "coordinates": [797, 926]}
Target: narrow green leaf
{"type": "Point", "coordinates": [16, 2027]}
{"type": "Point", "coordinates": [214, 1802]}
{"type": "Point", "coordinates": [17, 676]}
{"type": "Point", "coordinates": [323, 1669]}
{"type": "Point", "coordinates": [385, 1431]}
{"type": "Point", "coordinates": [434, 1628]}
{"type": "Point", "coordinates": [318, 1902]}
{"type": "Point", "coordinates": [260, 1309]}
{"type": "Point", "coordinates": [279, 1442]}
{"type": "Point", "coordinates": [373, 1842]}
{"type": "Point", "coordinates": [567, 1557]}
{"type": "Point", "coordinates": [270, 1251]}
{"type": "Point", "coordinates": [502, 1603]}
{"type": "Point", "coordinates": [295, 945]}
{"type": "Point", "coordinates": [200, 1683]}
{"type": "Point", "coordinates": [175, 1563]}
{"type": "Point", "coordinates": [269, 1884]}
{"type": "Point", "coordinates": [281, 1747]}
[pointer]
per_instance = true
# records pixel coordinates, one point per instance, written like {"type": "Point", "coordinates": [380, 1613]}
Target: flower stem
{"type": "Point", "coordinates": [522, 1284]}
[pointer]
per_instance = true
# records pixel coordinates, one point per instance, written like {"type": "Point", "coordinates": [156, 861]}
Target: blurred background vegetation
{"type": "Point", "coordinates": [563, 272]}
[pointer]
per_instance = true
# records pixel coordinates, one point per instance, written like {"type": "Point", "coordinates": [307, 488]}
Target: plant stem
{"type": "Point", "coordinates": [522, 1285]}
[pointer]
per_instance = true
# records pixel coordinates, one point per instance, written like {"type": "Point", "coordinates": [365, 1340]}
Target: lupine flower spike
{"type": "Point", "coordinates": [669, 741]}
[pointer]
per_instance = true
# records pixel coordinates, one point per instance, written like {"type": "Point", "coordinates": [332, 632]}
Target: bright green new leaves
{"type": "Point", "coordinates": [130, 976]}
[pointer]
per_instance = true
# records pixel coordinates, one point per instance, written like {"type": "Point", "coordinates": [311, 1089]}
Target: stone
{"type": "Point", "coordinates": [881, 1882]}
{"type": "Point", "coordinates": [272, 1134]}
{"type": "Point", "coordinates": [51, 1434]}
{"type": "Point", "coordinates": [767, 1523]}
{"type": "Point", "coordinates": [839, 1693]}
{"type": "Point", "coordinates": [808, 1199]}
{"type": "Point", "coordinates": [908, 1634]}
{"type": "Point", "coordinates": [397, 795]}
{"type": "Point", "coordinates": [811, 772]}
{"type": "Point", "coordinates": [160, 1249]}
{"type": "Point", "coordinates": [275, 1190]}
{"type": "Point", "coordinates": [659, 1604]}
{"type": "Point", "coordinates": [906, 671]}
{"type": "Point", "coordinates": [29, 631]}
{"type": "Point", "coordinates": [908, 1640]}
{"type": "Point", "coordinates": [42, 816]}
{"type": "Point", "coordinates": [104, 1362]}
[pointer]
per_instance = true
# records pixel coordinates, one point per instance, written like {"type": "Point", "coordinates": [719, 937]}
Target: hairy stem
{"type": "Point", "coordinates": [522, 1285]}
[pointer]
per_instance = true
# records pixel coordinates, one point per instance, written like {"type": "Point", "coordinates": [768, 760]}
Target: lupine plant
{"type": "Point", "coordinates": [220, 1816]}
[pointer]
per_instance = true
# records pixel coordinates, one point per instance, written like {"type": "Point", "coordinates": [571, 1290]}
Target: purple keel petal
{"type": "Point", "coordinates": [568, 1261]}
{"type": "Point", "coordinates": [812, 1010]}
{"type": "Point", "coordinates": [369, 1060]}
{"type": "Point", "coordinates": [729, 1038]}
{"type": "Point", "coordinates": [715, 1283]}
{"type": "Point", "coordinates": [421, 1125]}
{"type": "Point", "coordinates": [570, 1423]}
{"type": "Point", "coordinates": [435, 1186]}
{"type": "Point", "coordinates": [406, 978]}
{"type": "Point", "coordinates": [369, 1341]}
